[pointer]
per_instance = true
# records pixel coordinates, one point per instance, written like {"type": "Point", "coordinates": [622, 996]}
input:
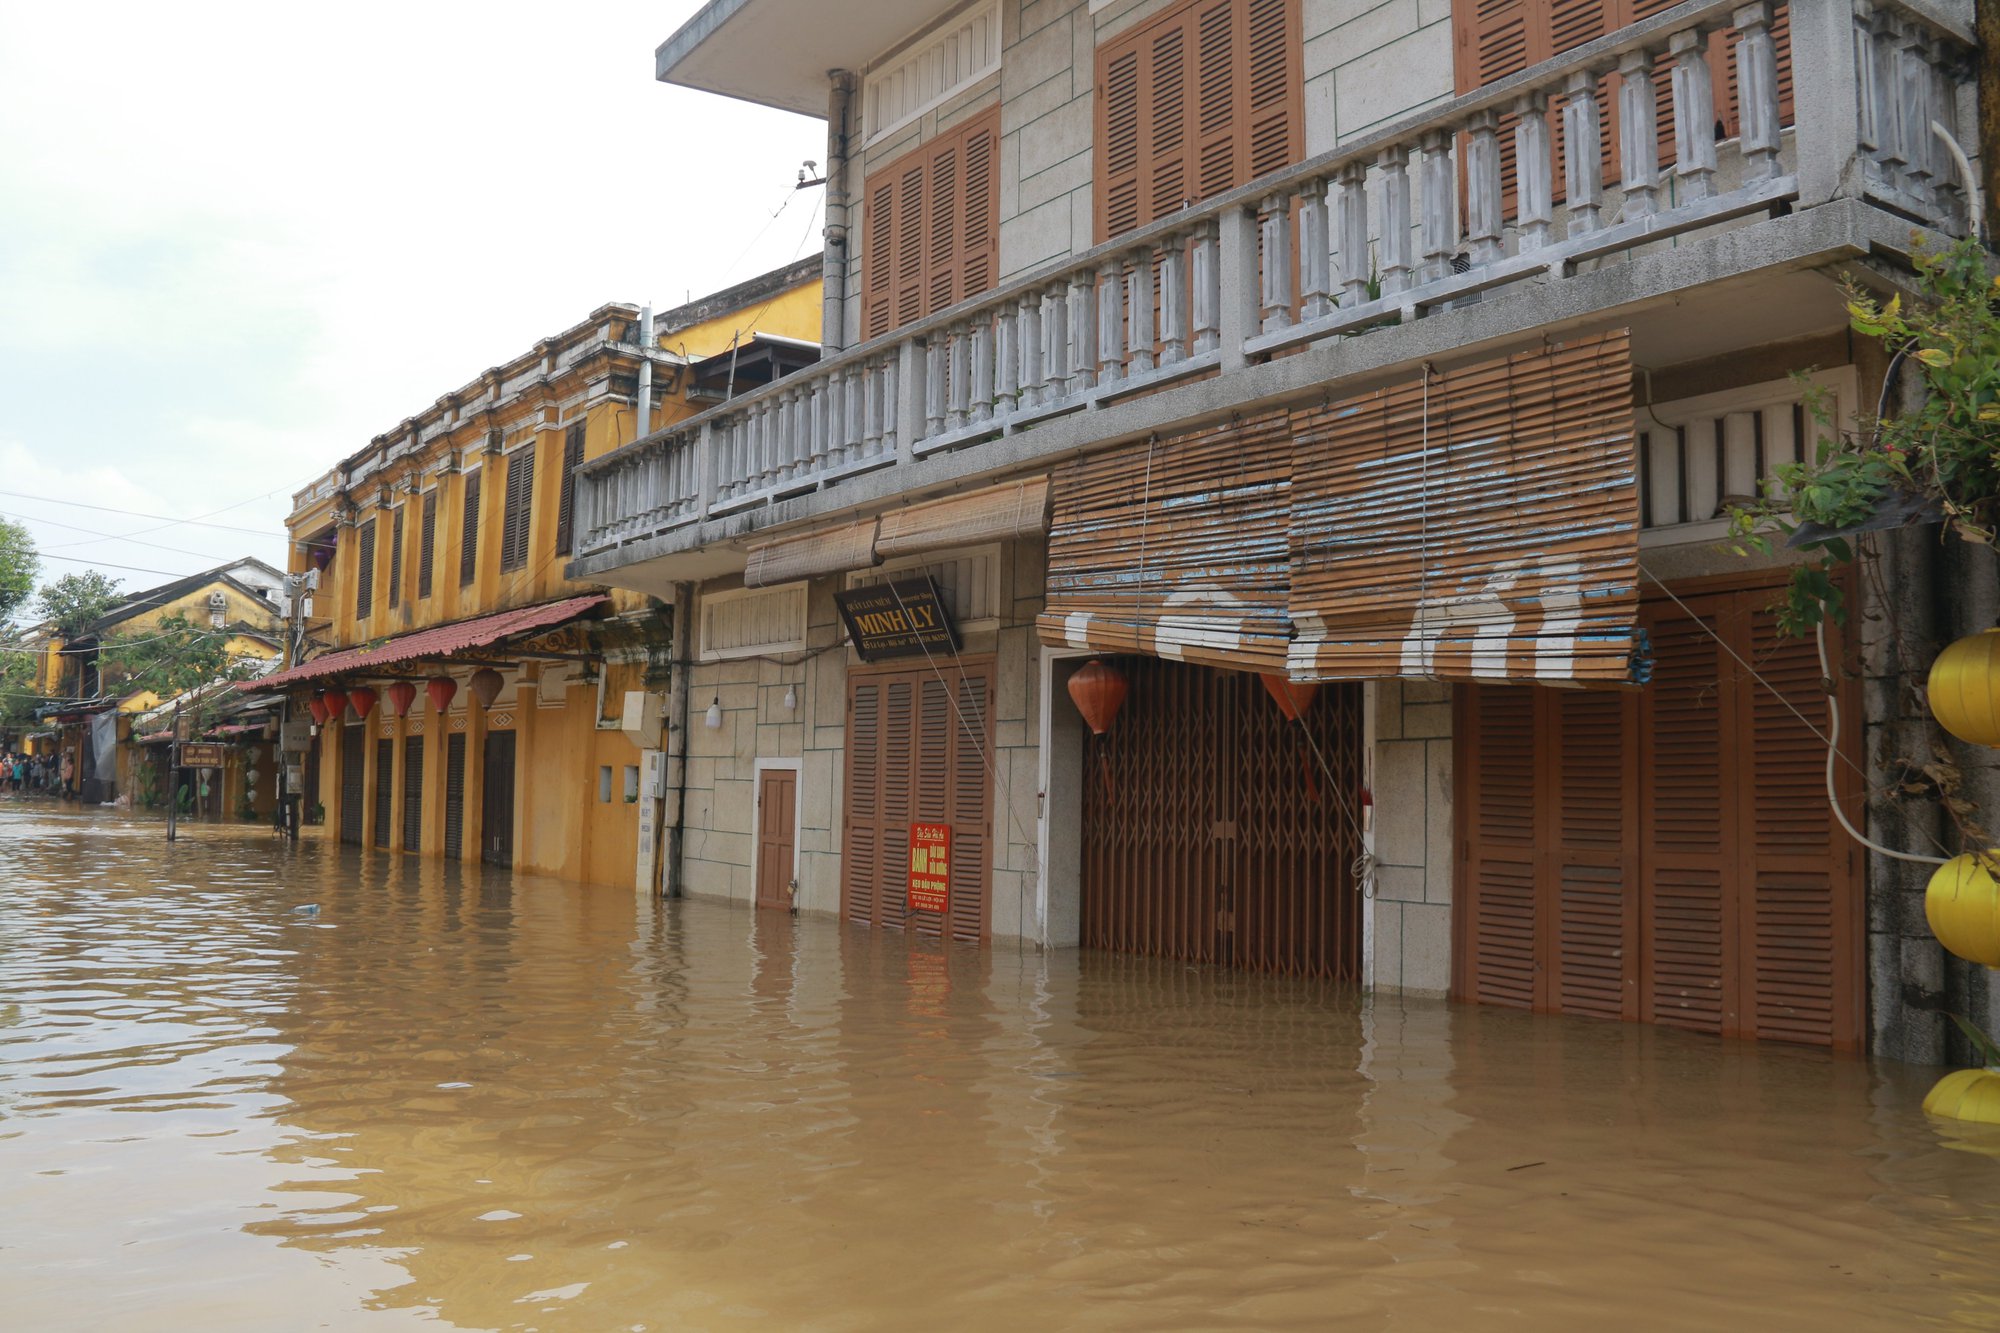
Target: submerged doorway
{"type": "Point", "coordinates": [496, 806]}
{"type": "Point", "coordinates": [1215, 831]}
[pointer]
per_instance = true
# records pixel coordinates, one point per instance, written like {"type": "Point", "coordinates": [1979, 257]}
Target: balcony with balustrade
{"type": "Point", "coordinates": [1450, 232]}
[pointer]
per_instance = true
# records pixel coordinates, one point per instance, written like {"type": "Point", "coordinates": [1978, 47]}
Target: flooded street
{"type": "Point", "coordinates": [500, 1102]}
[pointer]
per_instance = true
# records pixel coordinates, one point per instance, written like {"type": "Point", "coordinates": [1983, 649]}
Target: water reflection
{"type": "Point", "coordinates": [500, 1102]}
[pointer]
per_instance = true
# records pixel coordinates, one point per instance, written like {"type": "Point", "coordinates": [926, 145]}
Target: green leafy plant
{"type": "Point", "coordinates": [1943, 454]}
{"type": "Point", "coordinates": [75, 602]}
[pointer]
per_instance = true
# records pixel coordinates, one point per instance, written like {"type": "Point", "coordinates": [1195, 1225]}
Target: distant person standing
{"type": "Point", "coordinates": [68, 777]}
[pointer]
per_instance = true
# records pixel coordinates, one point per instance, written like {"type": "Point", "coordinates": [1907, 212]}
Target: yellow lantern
{"type": "Point", "coordinates": [1965, 688]}
{"type": "Point", "coordinates": [1967, 1094]}
{"type": "Point", "coordinates": [1962, 905]}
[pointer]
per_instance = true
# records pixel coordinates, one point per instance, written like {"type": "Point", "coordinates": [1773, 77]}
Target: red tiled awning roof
{"type": "Point", "coordinates": [439, 641]}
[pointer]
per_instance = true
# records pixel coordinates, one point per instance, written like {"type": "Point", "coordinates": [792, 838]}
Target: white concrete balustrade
{"type": "Point", "coordinates": [1400, 223]}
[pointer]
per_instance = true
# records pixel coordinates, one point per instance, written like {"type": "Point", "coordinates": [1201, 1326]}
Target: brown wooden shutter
{"type": "Point", "coordinates": [970, 807]}
{"type": "Point", "coordinates": [427, 546]}
{"type": "Point", "coordinates": [1195, 102]}
{"type": "Point", "coordinates": [468, 532]}
{"type": "Point", "coordinates": [1496, 958]}
{"type": "Point", "coordinates": [385, 777]}
{"type": "Point", "coordinates": [396, 560]}
{"type": "Point", "coordinates": [899, 800]}
{"type": "Point", "coordinates": [572, 459]}
{"type": "Point", "coordinates": [454, 796]}
{"type": "Point", "coordinates": [930, 759]}
{"type": "Point", "coordinates": [413, 793]}
{"type": "Point", "coordinates": [518, 512]}
{"type": "Point", "coordinates": [364, 572]}
{"type": "Point", "coordinates": [931, 232]}
{"type": "Point", "coordinates": [353, 779]}
{"type": "Point", "coordinates": [862, 845]}
{"type": "Point", "coordinates": [1592, 830]}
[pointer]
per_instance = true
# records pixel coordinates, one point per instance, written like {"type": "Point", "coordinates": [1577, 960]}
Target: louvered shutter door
{"type": "Point", "coordinates": [454, 796]}
{"type": "Point", "coordinates": [944, 206]}
{"type": "Point", "coordinates": [468, 533]}
{"type": "Point", "coordinates": [519, 510]}
{"type": "Point", "coordinates": [353, 779]}
{"type": "Point", "coordinates": [1218, 139]}
{"type": "Point", "coordinates": [979, 202]}
{"type": "Point", "coordinates": [1121, 188]}
{"type": "Point", "coordinates": [1166, 93]}
{"type": "Point", "coordinates": [427, 553]}
{"type": "Point", "coordinates": [970, 809]}
{"type": "Point", "coordinates": [908, 297]}
{"type": "Point", "coordinates": [862, 850]}
{"type": "Point", "coordinates": [879, 234]}
{"type": "Point", "coordinates": [1800, 886]}
{"type": "Point", "coordinates": [1684, 832]}
{"type": "Point", "coordinates": [413, 793]}
{"type": "Point", "coordinates": [1592, 775]}
{"type": "Point", "coordinates": [930, 757]}
{"type": "Point", "coordinates": [1499, 935]}
{"type": "Point", "coordinates": [899, 799]}
{"type": "Point", "coordinates": [396, 560]}
{"type": "Point", "coordinates": [572, 459]}
{"type": "Point", "coordinates": [364, 573]}
{"type": "Point", "coordinates": [385, 777]}
{"type": "Point", "coordinates": [1273, 58]}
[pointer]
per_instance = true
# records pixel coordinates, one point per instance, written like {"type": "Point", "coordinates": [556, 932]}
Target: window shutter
{"type": "Point", "coordinates": [518, 510]}
{"type": "Point", "coordinates": [971, 832]}
{"type": "Point", "coordinates": [1275, 110]}
{"type": "Point", "coordinates": [572, 459]}
{"type": "Point", "coordinates": [468, 533]}
{"type": "Point", "coordinates": [944, 188]}
{"type": "Point", "coordinates": [909, 279]}
{"type": "Point", "coordinates": [427, 551]}
{"type": "Point", "coordinates": [1498, 960]}
{"type": "Point", "coordinates": [1119, 178]}
{"type": "Point", "coordinates": [1218, 138]}
{"type": "Point", "coordinates": [396, 560]}
{"type": "Point", "coordinates": [364, 573]}
{"type": "Point", "coordinates": [879, 233]}
{"type": "Point", "coordinates": [979, 223]}
{"type": "Point", "coordinates": [863, 790]}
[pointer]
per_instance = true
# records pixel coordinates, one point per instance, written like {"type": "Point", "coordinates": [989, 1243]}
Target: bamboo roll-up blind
{"type": "Point", "coordinates": [832, 551]}
{"type": "Point", "coordinates": [1476, 524]}
{"type": "Point", "coordinates": [990, 514]}
{"type": "Point", "coordinates": [1176, 547]}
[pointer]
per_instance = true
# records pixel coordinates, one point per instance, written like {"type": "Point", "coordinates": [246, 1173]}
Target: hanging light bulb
{"type": "Point", "coordinates": [712, 719]}
{"type": "Point", "coordinates": [791, 699]}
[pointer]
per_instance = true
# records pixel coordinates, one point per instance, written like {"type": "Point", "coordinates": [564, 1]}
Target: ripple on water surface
{"type": "Point", "coordinates": [495, 1101]}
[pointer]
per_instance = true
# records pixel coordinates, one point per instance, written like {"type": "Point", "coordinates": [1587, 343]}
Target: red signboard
{"type": "Point", "coordinates": [930, 868]}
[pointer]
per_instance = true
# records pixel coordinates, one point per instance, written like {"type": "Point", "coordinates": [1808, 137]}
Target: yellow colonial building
{"type": "Point", "coordinates": [469, 701]}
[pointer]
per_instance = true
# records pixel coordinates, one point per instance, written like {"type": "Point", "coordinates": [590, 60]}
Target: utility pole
{"type": "Point", "coordinates": [174, 775]}
{"type": "Point", "coordinates": [289, 801]}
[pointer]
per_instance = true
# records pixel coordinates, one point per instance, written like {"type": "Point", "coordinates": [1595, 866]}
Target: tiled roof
{"type": "Point", "coordinates": [438, 641]}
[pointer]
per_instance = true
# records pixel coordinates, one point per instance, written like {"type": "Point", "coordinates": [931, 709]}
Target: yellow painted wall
{"type": "Point", "coordinates": [794, 313]}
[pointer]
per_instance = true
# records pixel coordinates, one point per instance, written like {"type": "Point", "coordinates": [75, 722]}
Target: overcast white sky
{"type": "Point", "coordinates": [239, 240]}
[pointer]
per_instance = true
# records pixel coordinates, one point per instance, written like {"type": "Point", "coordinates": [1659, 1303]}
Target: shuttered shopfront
{"type": "Point", "coordinates": [1666, 855]}
{"type": "Point", "coordinates": [1216, 832]}
{"type": "Point", "coordinates": [917, 747]}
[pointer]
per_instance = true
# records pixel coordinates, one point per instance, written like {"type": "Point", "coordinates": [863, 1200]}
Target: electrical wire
{"type": "Point", "coordinates": [95, 533]}
{"type": "Point", "coordinates": [1832, 748]}
{"type": "Point", "coordinates": [134, 513]}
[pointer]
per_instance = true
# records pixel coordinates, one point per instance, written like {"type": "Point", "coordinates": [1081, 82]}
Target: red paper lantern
{"type": "Point", "coordinates": [485, 686]}
{"type": "Point", "coordinates": [401, 695]}
{"type": "Point", "coordinates": [336, 703]}
{"type": "Point", "coordinates": [317, 707]}
{"type": "Point", "coordinates": [362, 700]}
{"type": "Point", "coordinates": [1294, 699]}
{"type": "Point", "coordinates": [440, 689]}
{"type": "Point", "coordinates": [1099, 692]}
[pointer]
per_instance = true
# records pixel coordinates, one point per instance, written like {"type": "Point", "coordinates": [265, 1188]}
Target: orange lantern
{"type": "Point", "coordinates": [1294, 699]}
{"type": "Point", "coordinates": [440, 689]}
{"type": "Point", "coordinates": [485, 686]}
{"type": "Point", "coordinates": [335, 701]}
{"type": "Point", "coordinates": [317, 708]}
{"type": "Point", "coordinates": [1099, 692]}
{"type": "Point", "coordinates": [401, 695]}
{"type": "Point", "coordinates": [362, 700]}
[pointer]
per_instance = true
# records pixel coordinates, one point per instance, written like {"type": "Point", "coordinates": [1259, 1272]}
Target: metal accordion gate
{"type": "Point", "coordinates": [1214, 831]}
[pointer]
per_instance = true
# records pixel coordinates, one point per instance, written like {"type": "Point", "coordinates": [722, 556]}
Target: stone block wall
{"type": "Point", "coordinates": [1409, 917]}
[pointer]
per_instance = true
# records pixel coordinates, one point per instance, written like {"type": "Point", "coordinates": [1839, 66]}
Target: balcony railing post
{"type": "Point", "coordinates": [1757, 90]}
{"type": "Point", "coordinates": [1055, 344]}
{"type": "Point", "coordinates": [705, 445]}
{"type": "Point", "coordinates": [872, 383]}
{"type": "Point", "coordinates": [1315, 252]}
{"type": "Point", "coordinates": [1437, 206]}
{"type": "Point", "coordinates": [1395, 167]}
{"type": "Point", "coordinates": [1351, 222]}
{"type": "Point", "coordinates": [1173, 299]}
{"type": "Point", "coordinates": [1694, 115]}
{"type": "Point", "coordinates": [1482, 188]}
{"type": "Point", "coordinates": [1583, 177]}
{"type": "Point", "coordinates": [958, 401]}
{"type": "Point", "coordinates": [1139, 307]}
{"type": "Point", "coordinates": [1534, 171]}
{"type": "Point", "coordinates": [1274, 230]}
{"type": "Point", "coordinates": [1111, 320]}
{"type": "Point", "coordinates": [1638, 135]}
{"type": "Point", "coordinates": [1082, 331]}
{"type": "Point", "coordinates": [1205, 279]}
{"type": "Point", "coordinates": [1238, 286]}
{"type": "Point", "coordinates": [935, 352]}
{"type": "Point", "coordinates": [1028, 325]}
{"type": "Point", "coordinates": [908, 391]}
{"type": "Point", "coordinates": [1914, 110]}
{"type": "Point", "coordinates": [1006, 361]}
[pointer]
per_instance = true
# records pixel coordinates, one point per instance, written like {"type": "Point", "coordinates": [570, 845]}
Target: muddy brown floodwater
{"type": "Point", "coordinates": [492, 1101]}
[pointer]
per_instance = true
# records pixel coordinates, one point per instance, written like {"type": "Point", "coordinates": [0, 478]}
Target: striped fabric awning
{"type": "Point", "coordinates": [1176, 547]}
{"type": "Point", "coordinates": [1480, 524]}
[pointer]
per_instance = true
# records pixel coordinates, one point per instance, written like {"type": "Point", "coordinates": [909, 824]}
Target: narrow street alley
{"type": "Point", "coordinates": [244, 1086]}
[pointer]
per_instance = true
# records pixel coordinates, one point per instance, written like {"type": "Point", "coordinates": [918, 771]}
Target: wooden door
{"type": "Point", "coordinates": [777, 809]}
{"type": "Point", "coordinates": [919, 743]}
{"type": "Point", "coordinates": [353, 755]}
{"type": "Point", "coordinates": [454, 796]}
{"type": "Point", "coordinates": [497, 802]}
{"type": "Point", "coordinates": [1666, 855]}
{"type": "Point", "coordinates": [413, 793]}
{"type": "Point", "coordinates": [385, 785]}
